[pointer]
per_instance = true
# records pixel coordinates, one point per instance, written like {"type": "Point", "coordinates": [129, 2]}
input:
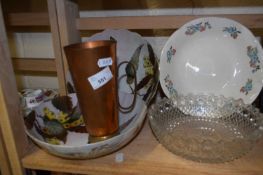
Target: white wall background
{"type": "Point", "coordinates": [33, 45]}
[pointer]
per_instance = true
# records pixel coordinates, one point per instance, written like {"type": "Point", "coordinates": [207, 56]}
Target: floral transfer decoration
{"type": "Point", "coordinates": [252, 53]}
{"type": "Point", "coordinates": [150, 69]}
{"type": "Point", "coordinates": [232, 31]}
{"type": "Point", "coordinates": [170, 54]}
{"type": "Point", "coordinates": [169, 85]}
{"type": "Point", "coordinates": [248, 87]}
{"type": "Point", "coordinates": [54, 126]}
{"type": "Point", "coordinates": [202, 26]}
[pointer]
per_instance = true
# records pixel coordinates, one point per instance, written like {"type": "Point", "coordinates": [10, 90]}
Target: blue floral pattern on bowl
{"type": "Point", "coordinates": [169, 85]}
{"type": "Point", "coordinates": [252, 53]}
{"type": "Point", "coordinates": [248, 87]}
{"type": "Point", "coordinates": [170, 54]}
{"type": "Point", "coordinates": [202, 26]}
{"type": "Point", "coordinates": [232, 31]}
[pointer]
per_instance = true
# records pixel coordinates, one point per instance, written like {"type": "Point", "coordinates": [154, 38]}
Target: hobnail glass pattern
{"type": "Point", "coordinates": [206, 128]}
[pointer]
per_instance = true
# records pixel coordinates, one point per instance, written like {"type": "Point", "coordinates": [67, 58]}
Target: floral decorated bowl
{"type": "Point", "coordinates": [212, 55]}
{"type": "Point", "coordinates": [206, 128]}
{"type": "Point", "coordinates": [57, 126]}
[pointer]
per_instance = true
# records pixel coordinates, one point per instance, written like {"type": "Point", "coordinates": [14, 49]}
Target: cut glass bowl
{"type": "Point", "coordinates": [206, 128]}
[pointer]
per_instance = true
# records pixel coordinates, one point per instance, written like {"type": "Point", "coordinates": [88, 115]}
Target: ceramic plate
{"type": "Point", "coordinates": [212, 56]}
{"type": "Point", "coordinates": [54, 127]}
{"type": "Point", "coordinates": [133, 48]}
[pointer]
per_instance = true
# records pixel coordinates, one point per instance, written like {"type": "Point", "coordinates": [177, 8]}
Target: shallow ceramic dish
{"type": "Point", "coordinates": [214, 56]}
{"type": "Point", "coordinates": [133, 48]}
{"type": "Point", "coordinates": [57, 126]}
{"type": "Point", "coordinates": [206, 128]}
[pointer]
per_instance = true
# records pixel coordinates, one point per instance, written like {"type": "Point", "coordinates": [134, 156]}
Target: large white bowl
{"type": "Point", "coordinates": [76, 143]}
{"type": "Point", "coordinates": [212, 55]}
{"type": "Point", "coordinates": [131, 47]}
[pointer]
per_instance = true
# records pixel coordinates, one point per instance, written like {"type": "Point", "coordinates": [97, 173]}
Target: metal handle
{"type": "Point", "coordinates": [129, 108]}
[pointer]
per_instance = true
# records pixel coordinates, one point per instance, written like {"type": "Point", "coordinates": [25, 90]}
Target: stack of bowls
{"type": "Point", "coordinates": [211, 72]}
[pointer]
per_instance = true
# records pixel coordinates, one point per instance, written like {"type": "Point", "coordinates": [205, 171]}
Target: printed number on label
{"type": "Point", "coordinates": [101, 78]}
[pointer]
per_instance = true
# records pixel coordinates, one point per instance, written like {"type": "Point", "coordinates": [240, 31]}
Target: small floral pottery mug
{"type": "Point", "coordinates": [33, 97]}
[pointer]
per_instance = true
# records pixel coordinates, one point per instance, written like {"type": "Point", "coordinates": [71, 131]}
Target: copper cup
{"type": "Point", "coordinates": [99, 106]}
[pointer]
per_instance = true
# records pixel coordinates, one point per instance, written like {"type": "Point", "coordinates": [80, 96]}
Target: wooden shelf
{"type": "Point", "coordinates": [34, 64]}
{"type": "Point", "coordinates": [28, 19]}
{"type": "Point", "coordinates": [144, 155]}
{"type": "Point", "coordinates": [39, 20]}
{"type": "Point", "coordinates": [158, 22]}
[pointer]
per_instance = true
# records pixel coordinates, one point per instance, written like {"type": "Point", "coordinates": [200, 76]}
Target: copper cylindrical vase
{"type": "Point", "coordinates": [88, 62]}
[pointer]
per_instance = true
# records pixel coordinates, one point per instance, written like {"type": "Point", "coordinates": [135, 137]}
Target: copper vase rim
{"type": "Point", "coordinates": [90, 45]}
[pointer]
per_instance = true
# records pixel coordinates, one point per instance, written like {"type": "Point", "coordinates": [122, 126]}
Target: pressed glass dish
{"type": "Point", "coordinates": [206, 128]}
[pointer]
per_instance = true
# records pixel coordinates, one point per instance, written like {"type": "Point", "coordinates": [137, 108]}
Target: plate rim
{"type": "Point", "coordinates": [181, 29]}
